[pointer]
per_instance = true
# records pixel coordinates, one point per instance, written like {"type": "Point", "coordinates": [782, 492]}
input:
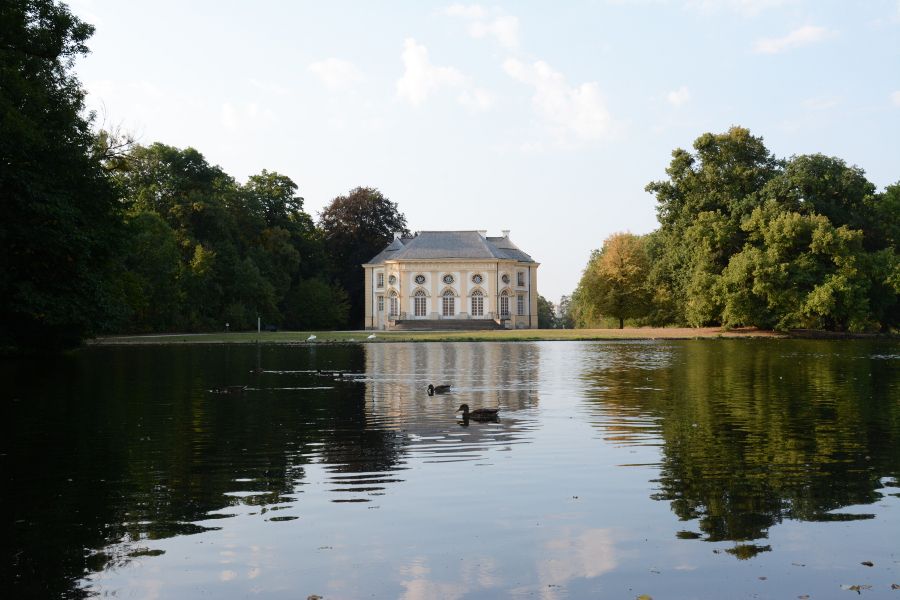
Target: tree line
{"type": "Point", "coordinates": [101, 234]}
{"type": "Point", "coordinates": [201, 250]}
{"type": "Point", "coordinates": [748, 239]}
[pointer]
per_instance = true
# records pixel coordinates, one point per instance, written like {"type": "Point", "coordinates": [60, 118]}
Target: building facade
{"type": "Point", "coordinates": [451, 275]}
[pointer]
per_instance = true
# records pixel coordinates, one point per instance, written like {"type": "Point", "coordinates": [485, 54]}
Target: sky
{"type": "Point", "coordinates": [544, 118]}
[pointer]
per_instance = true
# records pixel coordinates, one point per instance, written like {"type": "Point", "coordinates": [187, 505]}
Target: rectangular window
{"type": "Point", "coordinates": [380, 280]}
{"type": "Point", "coordinates": [477, 306]}
{"type": "Point", "coordinates": [520, 279]}
{"type": "Point", "coordinates": [504, 305]}
{"type": "Point", "coordinates": [380, 303]}
{"type": "Point", "coordinates": [520, 304]}
{"type": "Point", "coordinates": [395, 309]}
{"type": "Point", "coordinates": [448, 306]}
{"type": "Point", "coordinates": [420, 306]}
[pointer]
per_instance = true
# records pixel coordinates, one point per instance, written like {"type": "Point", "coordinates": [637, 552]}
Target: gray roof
{"type": "Point", "coordinates": [388, 253]}
{"type": "Point", "coordinates": [507, 249]}
{"type": "Point", "coordinates": [430, 245]}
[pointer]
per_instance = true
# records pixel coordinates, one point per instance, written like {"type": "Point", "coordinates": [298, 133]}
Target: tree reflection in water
{"type": "Point", "coordinates": [751, 433]}
{"type": "Point", "coordinates": [120, 447]}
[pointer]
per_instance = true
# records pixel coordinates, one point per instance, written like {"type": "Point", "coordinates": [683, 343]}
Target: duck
{"type": "Point", "coordinates": [371, 337]}
{"type": "Point", "coordinates": [311, 338]}
{"type": "Point", "coordinates": [479, 414]}
{"type": "Point", "coordinates": [437, 389]}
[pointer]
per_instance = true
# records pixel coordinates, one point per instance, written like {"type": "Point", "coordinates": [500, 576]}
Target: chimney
{"type": "Point", "coordinates": [506, 233]}
{"type": "Point", "coordinates": [397, 235]}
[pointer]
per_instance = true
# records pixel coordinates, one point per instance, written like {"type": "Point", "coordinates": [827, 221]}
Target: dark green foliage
{"type": "Point", "coordinates": [747, 239]}
{"type": "Point", "coordinates": [103, 235]}
{"type": "Point", "coordinates": [208, 251]}
{"type": "Point", "coordinates": [797, 271]}
{"type": "Point", "coordinates": [315, 304]}
{"type": "Point", "coordinates": [152, 274]}
{"type": "Point", "coordinates": [61, 224]}
{"type": "Point", "coordinates": [356, 227]}
{"type": "Point", "coordinates": [700, 209]}
{"type": "Point", "coordinates": [546, 314]}
{"type": "Point", "coordinates": [823, 185]}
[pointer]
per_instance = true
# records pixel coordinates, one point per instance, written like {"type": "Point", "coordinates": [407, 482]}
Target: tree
{"type": "Point", "coordinates": [797, 271]}
{"type": "Point", "coordinates": [816, 184]}
{"type": "Point", "coordinates": [315, 304]}
{"type": "Point", "coordinates": [718, 186]}
{"type": "Point", "coordinates": [546, 314]}
{"type": "Point", "coordinates": [356, 227]}
{"type": "Point", "coordinates": [199, 201]}
{"type": "Point", "coordinates": [61, 223]}
{"type": "Point", "coordinates": [565, 320]}
{"type": "Point", "coordinates": [274, 197]}
{"type": "Point", "coordinates": [614, 283]}
{"type": "Point", "coordinates": [242, 248]}
{"type": "Point", "coordinates": [152, 273]}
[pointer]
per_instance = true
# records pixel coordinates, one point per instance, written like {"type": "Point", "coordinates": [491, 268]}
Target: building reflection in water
{"type": "Point", "coordinates": [498, 375]}
{"type": "Point", "coordinates": [428, 428]}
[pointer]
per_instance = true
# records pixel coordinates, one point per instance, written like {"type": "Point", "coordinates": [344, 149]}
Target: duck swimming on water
{"type": "Point", "coordinates": [479, 414]}
{"type": "Point", "coordinates": [437, 389]}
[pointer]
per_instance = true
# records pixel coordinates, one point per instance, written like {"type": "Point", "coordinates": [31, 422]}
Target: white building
{"type": "Point", "coordinates": [448, 279]}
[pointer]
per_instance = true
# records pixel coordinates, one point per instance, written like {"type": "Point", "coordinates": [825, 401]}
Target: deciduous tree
{"type": "Point", "coordinates": [614, 283]}
{"type": "Point", "coordinates": [546, 314]}
{"type": "Point", "coordinates": [717, 186]}
{"type": "Point", "coordinates": [356, 227]}
{"type": "Point", "coordinates": [61, 223]}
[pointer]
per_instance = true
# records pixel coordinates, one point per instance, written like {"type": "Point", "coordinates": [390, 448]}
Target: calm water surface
{"type": "Point", "coordinates": [694, 469]}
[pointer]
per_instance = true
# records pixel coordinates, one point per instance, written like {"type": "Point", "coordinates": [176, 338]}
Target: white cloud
{"type": "Point", "coordinates": [421, 78]}
{"type": "Point", "coordinates": [895, 98]}
{"type": "Point", "coordinates": [466, 11]}
{"type": "Point", "coordinates": [582, 555]}
{"type": "Point", "coordinates": [808, 34]}
{"type": "Point", "coordinates": [679, 97]}
{"type": "Point", "coordinates": [476, 99]}
{"type": "Point", "coordinates": [748, 8]}
{"type": "Point", "coordinates": [503, 28]}
{"type": "Point", "coordinates": [336, 74]}
{"type": "Point", "coordinates": [570, 110]}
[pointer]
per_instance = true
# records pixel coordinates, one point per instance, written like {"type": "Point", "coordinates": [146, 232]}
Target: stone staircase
{"type": "Point", "coordinates": [445, 325]}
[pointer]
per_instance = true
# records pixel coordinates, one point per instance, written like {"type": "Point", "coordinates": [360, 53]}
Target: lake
{"type": "Point", "coordinates": [675, 469]}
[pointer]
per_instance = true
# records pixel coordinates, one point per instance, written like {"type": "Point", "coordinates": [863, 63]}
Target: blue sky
{"type": "Point", "coordinates": [547, 119]}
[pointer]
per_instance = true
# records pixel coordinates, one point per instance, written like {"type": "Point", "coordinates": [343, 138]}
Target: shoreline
{"type": "Point", "coordinates": [521, 335]}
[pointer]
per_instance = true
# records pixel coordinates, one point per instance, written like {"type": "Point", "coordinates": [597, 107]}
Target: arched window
{"type": "Point", "coordinates": [504, 304]}
{"type": "Point", "coordinates": [395, 308]}
{"type": "Point", "coordinates": [477, 304]}
{"type": "Point", "coordinates": [419, 303]}
{"type": "Point", "coordinates": [448, 304]}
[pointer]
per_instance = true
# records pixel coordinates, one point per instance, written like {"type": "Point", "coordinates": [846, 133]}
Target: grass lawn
{"type": "Point", "coordinates": [295, 337]}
